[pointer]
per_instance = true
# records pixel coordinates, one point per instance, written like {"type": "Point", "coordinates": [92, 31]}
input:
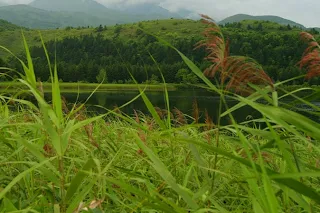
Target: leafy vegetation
{"type": "Point", "coordinates": [5, 25]}
{"type": "Point", "coordinates": [56, 158]}
{"type": "Point", "coordinates": [125, 48]}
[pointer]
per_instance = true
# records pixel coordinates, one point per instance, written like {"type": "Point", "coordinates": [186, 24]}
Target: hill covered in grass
{"type": "Point", "coordinates": [167, 29]}
{"type": "Point", "coordinates": [84, 54]}
{"type": "Point", "coordinates": [276, 19]}
{"type": "Point", "coordinates": [7, 26]}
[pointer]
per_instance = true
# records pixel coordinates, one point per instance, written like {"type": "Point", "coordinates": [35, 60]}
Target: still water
{"type": "Point", "coordinates": [182, 100]}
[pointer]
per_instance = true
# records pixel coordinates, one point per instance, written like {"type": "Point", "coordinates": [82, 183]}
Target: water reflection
{"type": "Point", "coordinates": [182, 100]}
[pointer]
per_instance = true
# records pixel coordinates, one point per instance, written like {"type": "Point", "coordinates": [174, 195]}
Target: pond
{"type": "Point", "coordinates": [182, 99]}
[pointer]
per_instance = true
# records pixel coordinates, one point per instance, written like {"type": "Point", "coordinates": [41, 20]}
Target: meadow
{"type": "Point", "coordinates": [56, 158]}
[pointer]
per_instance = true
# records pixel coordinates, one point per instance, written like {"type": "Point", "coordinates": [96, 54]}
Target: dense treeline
{"type": "Point", "coordinates": [92, 58]}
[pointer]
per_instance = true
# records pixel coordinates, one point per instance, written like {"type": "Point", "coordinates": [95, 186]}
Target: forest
{"type": "Point", "coordinates": [94, 57]}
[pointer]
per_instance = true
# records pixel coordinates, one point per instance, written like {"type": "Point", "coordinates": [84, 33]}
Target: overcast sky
{"type": "Point", "coordinates": [306, 12]}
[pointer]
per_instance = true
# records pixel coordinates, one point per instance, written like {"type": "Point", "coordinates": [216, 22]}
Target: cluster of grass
{"type": "Point", "coordinates": [55, 158]}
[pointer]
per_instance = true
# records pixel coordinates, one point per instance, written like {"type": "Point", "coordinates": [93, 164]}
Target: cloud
{"type": "Point", "coordinates": [305, 12]}
{"type": "Point", "coordinates": [16, 1]}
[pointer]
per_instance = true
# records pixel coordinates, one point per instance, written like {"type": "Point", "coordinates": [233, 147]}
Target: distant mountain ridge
{"type": "Point", "coordinates": [3, 4]}
{"type": "Point", "coordinates": [89, 7]}
{"type": "Point", "coordinates": [68, 5]}
{"type": "Point", "coordinates": [48, 14]}
{"type": "Point", "coordinates": [27, 16]}
{"type": "Point", "coordinates": [277, 19]}
{"type": "Point", "coordinates": [147, 10]}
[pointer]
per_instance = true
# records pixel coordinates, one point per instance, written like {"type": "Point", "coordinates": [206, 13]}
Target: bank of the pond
{"type": "Point", "coordinates": [89, 87]}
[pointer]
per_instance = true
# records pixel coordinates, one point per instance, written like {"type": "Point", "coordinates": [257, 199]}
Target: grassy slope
{"type": "Point", "coordinates": [277, 19]}
{"type": "Point", "coordinates": [13, 40]}
{"type": "Point", "coordinates": [166, 29]}
{"type": "Point", "coordinates": [5, 25]}
{"type": "Point", "coordinates": [267, 25]}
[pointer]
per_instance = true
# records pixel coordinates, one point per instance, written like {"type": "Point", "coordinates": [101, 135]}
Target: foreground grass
{"type": "Point", "coordinates": [134, 166]}
{"type": "Point", "coordinates": [88, 87]}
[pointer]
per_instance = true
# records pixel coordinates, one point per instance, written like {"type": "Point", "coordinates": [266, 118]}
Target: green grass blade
{"type": "Point", "coordinates": [166, 175]}
{"type": "Point", "coordinates": [56, 94]}
{"type": "Point", "coordinates": [288, 182]}
{"type": "Point", "coordinates": [30, 70]}
{"type": "Point", "coordinates": [22, 175]}
{"type": "Point", "coordinates": [82, 194]}
{"type": "Point", "coordinates": [77, 180]}
{"type": "Point", "coordinates": [47, 55]}
{"type": "Point", "coordinates": [150, 106]}
{"type": "Point", "coordinates": [165, 92]}
{"type": "Point", "coordinates": [284, 117]}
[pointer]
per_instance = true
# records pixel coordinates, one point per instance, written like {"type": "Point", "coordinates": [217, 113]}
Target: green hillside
{"type": "Point", "coordinates": [5, 25]}
{"type": "Point", "coordinates": [85, 53]}
{"type": "Point", "coordinates": [276, 19]}
{"type": "Point", "coordinates": [168, 29]}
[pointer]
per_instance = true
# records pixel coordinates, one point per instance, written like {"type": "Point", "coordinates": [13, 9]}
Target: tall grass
{"type": "Point", "coordinates": [54, 158]}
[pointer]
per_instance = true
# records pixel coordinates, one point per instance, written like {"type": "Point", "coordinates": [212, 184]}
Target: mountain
{"type": "Point", "coordinates": [5, 25]}
{"type": "Point", "coordinates": [69, 5]}
{"type": "Point", "coordinates": [3, 4]}
{"type": "Point", "coordinates": [184, 13]}
{"type": "Point", "coordinates": [146, 11]}
{"type": "Point", "coordinates": [277, 19]}
{"type": "Point", "coordinates": [27, 16]}
{"type": "Point", "coordinates": [120, 14]}
{"type": "Point", "coordinates": [48, 14]}
{"type": "Point", "coordinates": [84, 6]}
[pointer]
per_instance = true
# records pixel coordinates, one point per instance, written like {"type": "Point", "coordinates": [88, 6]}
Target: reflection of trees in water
{"type": "Point", "coordinates": [181, 100]}
{"type": "Point", "coordinates": [101, 98]}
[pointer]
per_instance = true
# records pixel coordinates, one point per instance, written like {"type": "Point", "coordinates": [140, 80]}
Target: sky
{"type": "Point", "coordinates": [306, 12]}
